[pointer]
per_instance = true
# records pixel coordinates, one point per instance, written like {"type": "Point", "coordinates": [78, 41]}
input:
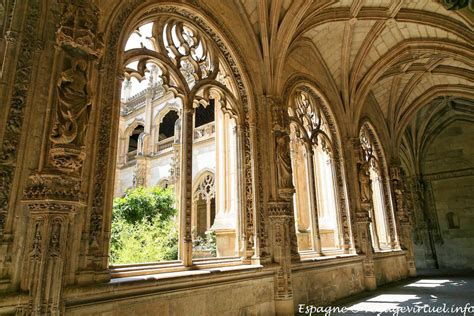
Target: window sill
{"type": "Point", "coordinates": [325, 253]}
{"type": "Point", "coordinates": [326, 261]}
{"type": "Point", "coordinates": [195, 270]}
{"type": "Point", "coordinates": [154, 268]}
{"type": "Point", "coordinates": [388, 253]}
{"type": "Point", "coordinates": [160, 283]}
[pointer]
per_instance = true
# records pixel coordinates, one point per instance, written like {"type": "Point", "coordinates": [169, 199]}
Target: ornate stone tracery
{"type": "Point", "coordinates": [205, 189]}
{"type": "Point", "coordinates": [372, 160]}
{"type": "Point", "coordinates": [170, 60]}
{"type": "Point", "coordinates": [55, 167]}
{"type": "Point", "coordinates": [313, 124]}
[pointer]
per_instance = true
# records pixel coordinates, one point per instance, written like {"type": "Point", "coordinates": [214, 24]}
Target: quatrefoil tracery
{"type": "Point", "coordinates": [174, 55]}
{"type": "Point", "coordinates": [307, 121]}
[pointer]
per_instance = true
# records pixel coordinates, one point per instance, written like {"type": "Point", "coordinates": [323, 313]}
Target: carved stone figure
{"type": "Point", "coordinates": [74, 106]}
{"type": "Point", "coordinates": [283, 160]}
{"type": "Point", "coordinates": [365, 183]}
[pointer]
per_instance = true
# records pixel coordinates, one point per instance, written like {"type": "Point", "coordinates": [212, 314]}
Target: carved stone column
{"type": "Point", "coordinates": [363, 226]}
{"type": "Point", "coordinates": [56, 241]}
{"type": "Point", "coordinates": [317, 248]}
{"type": "Point", "coordinates": [432, 224]}
{"type": "Point", "coordinates": [363, 213]}
{"type": "Point", "coordinates": [282, 231]}
{"type": "Point", "coordinates": [19, 55]}
{"type": "Point", "coordinates": [406, 242]}
{"type": "Point", "coordinates": [186, 240]}
{"type": "Point", "coordinates": [284, 173]}
{"type": "Point", "coordinates": [53, 202]}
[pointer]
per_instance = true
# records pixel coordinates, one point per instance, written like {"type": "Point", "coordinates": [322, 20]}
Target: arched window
{"type": "Point", "coordinates": [171, 61]}
{"type": "Point", "coordinates": [133, 138]}
{"type": "Point", "coordinates": [204, 204]}
{"type": "Point", "coordinates": [382, 225]}
{"type": "Point", "coordinates": [204, 115]}
{"type": "Point", "coordinates": [321, 215]}
{"type": "Point", "coordinates": [167, 125]}
{"type": "Point", "coordinates": [453, 220]}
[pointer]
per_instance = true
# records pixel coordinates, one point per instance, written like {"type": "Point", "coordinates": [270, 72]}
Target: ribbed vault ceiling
{"type": "Point", "coordinates": [395, 51]}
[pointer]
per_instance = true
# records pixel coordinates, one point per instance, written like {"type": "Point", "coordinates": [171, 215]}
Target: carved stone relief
{"type": "Point", "coordinates": [372, 152]}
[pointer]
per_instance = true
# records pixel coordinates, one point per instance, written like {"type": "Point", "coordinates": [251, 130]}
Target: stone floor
{"type": "Point", "coordinates": [428, 294]}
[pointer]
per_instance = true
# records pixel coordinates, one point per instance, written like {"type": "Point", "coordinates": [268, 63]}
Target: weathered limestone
{"type": "Point", "coordinates": [372, 67]}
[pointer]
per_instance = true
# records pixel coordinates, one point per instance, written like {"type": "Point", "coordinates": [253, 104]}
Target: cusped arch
{"type": "Point", "coordinates": [131, 14]}
{"type": "Point", "coordinates": [168, 107]}
{"type": "Point", "coordinates": [131, 127]}
{"type": "Point", "coordinates": [204, 185]}
{"type": "Point", "coordinates": [333, 137]}
{"type": "Point", "coordinates": [376, 154]}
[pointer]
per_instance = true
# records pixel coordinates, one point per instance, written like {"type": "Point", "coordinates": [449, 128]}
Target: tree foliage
{"type": "Point", "coordinates": [144, 226]}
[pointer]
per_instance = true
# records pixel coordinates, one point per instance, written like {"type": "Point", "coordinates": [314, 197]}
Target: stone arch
{"type": "Point", "coordinates": [128, 131]}
{"type": "Point", "coordinates": [164, 183]}
{"type": "Point", "coordinates": [425, 98]}
{"type": "Point", "coordinates": [132, 13]}
{"type": "Point", "coordinates": [397, 53]}
{"type": "Point", "coordinates": [333, 136]}
{"type": "Point", "coordinates": [377, 155]}
{"type": "Point", "coordinates": [204, 201]}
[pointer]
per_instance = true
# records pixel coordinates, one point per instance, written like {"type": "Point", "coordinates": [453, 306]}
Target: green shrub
{"type": "Point", "coordinates": [144, 227]}
{"type": "Point", "coordinates": [207, 243]}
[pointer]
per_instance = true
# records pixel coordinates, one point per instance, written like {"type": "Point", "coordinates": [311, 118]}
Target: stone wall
{"type": "Point", "coordinates": [56, 190]}
{"type": "Point", "coordinates": [328, 282]}
{"type": "Point", "coordinates": [449, 170]}
{"type": "Point", "coordinates": [390, 267]}
{"type": "Point", "coordinates": [242, 297]}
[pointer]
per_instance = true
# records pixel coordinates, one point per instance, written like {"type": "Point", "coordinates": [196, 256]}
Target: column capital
{"type": "Point", "coordinates": [54, 189]}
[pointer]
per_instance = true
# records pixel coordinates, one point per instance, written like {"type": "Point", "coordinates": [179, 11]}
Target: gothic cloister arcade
{"type": "Point", "coordinates": [326, 145]}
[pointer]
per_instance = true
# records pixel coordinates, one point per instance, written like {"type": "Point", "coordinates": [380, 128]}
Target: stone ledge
{"type": "Point", "coordinates": [388, 253]}
{"type": "Point", "coordinates": [326, 261]}
{"type": "Point", "coordinates": [148, 285]}
{"type": "Point", "coordinates": [133, 270]}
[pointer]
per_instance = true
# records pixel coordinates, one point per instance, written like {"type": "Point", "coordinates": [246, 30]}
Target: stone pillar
{"type": "Point", "coordinates": [312, 201]}
{"type": "Point", "coordinates": [420, 224]}
{"type": "Point", "coordinates": [53, 202]}
{"type": "Point", "coordinates": [405, 232]}
{"type": "Point", "coordinates": [425, 191]}
{"type": "Point", "coordinates": [363, 227]}
{"type": "Point", "coordinates": [240, 240]}
{"type": "Point", "coordinates": [18, 60]}
{"type": "Point", "coordinates": [363, 213]}
{"type": "Point", "coordinates": [186, 240]}
{"type": "Point", "coordinates": [282, 231]}
{"type": "Point", "coordinates": [63, 242]}
{"type": "Point", "coordinates": [175, 168]}
{"type": "Point", "coordinates": [225, 181]}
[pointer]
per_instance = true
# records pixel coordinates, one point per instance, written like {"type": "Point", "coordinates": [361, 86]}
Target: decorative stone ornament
{"type": "Point", "coordinates": [283, 160]}
{"type": "Point", "coordinates": [365, 186]}
{"type": "Point", "coordinates": [77, 36]}
{"type": "Point", "coordinates": [73, 106]}
{"type": "Point", "coordinates": [72, 117]}
{"type": "Point", "coordinates": [78, 28]}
